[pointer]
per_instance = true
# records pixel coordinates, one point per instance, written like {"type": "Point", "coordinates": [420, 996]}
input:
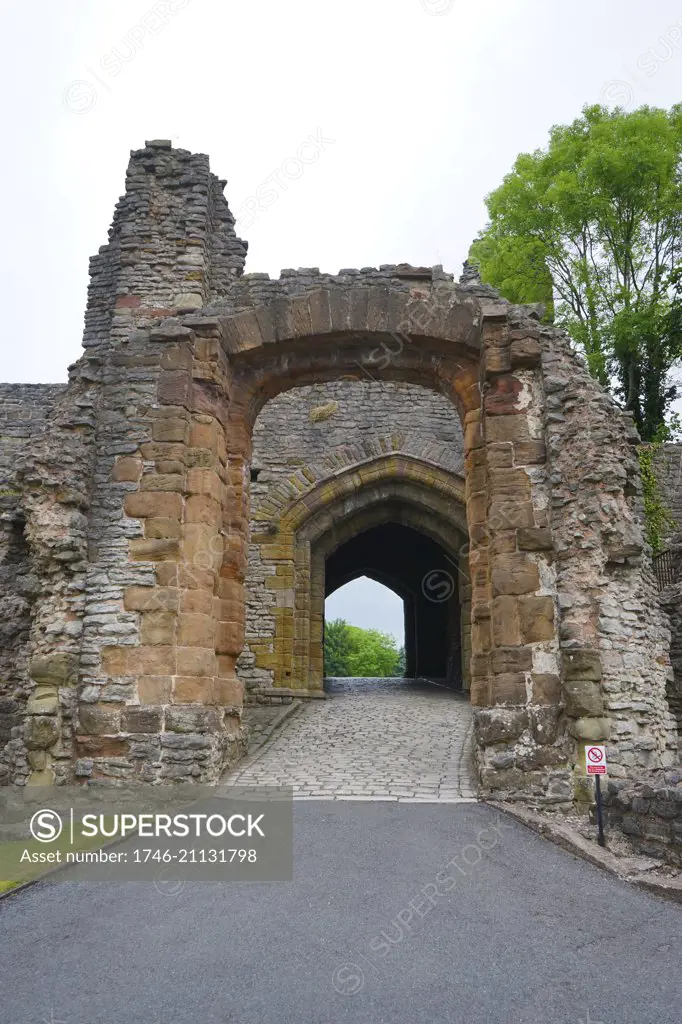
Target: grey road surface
{"type": "Point", "coordinates": [419, 913]}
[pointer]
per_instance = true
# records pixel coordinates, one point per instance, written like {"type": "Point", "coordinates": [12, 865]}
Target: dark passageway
{"type": "Point", "coordinates": [419, 571]}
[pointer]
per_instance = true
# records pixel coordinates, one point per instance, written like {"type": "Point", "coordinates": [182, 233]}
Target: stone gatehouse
{"type": "Point", "coordinates": [229, 448]}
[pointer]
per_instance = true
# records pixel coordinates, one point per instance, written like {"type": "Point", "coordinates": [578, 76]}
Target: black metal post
{"type": "Point", "coordinates": [600, 813]}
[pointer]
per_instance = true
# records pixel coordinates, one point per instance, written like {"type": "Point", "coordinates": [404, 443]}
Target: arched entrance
{"type": "Point", "coordinates": [419, 570]}
{"type": "Point", "coordinates": [304, 543]}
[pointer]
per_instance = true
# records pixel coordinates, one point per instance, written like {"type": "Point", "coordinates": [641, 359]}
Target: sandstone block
{"type": "Point", "coordinates": [154, 550]}
{"type": "Point", "coordinates": [98, 721]}
{"type": "Point", "coordinates": [502, 396]}
{"type": "Point", "coordinates": [163, 482]}
{"type": "Point", "coordinates": [525, 352]}
{"type": "Point", "coordinates": [162, 529]}
{"type": "Point", "coordinates": [154, 689]}
{"type": "Point", "coordinates": [500, 725]}
{"type": "Point", "coordinates": [514, 574]}
{"type": "Point", "coordinates": [583, 697]}
{"type": "Point", "coordinates": [508, 688]}
{"type": "Point", "coordinates": [582, 664]}
{"type": "Point", "coordinates": [192, 720]}
{"type": "Point", "coordinates": [511, 659]}
{"type": "Point", "coordinates": [139, 599]}
{"type": "Point", "coordinates": [40, 733]}
{"type": "Point", "coordinates": [43, 701]}
{"type": "Point", "coordinates": [141, 719]}
{"type": "Point", "coordinates": [59, 669]}
{"type": "Point", "coordinates": [196, 661]}
{"type": "Point", "coordinates": [506, 624]}
{"type": "Point", "coordinates": [546, 688]}
{"type": "Point", "coordinates": [195, 630]}
{"type": "Point", "coordinates": [506, 428]}
{"type": "Point", "coordinates": [126, 469]}
{"type": "Point", "coordinates": [534, 539]}
{"type": "Point", "coordinates": [157, 627]}
{"type": "Point", "coordinates": [591, 730]}
{"type": "Point", "coordinates": [536, 618]}
{"type": "Point", "coordinates": [141, 504]}
{"type": "Point", "coordinates": [170, 428]}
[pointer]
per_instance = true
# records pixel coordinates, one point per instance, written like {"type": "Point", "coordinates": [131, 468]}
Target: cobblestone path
{"type": "Point", "coordinates": [372, 739]}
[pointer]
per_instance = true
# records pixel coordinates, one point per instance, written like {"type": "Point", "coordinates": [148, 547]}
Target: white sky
{"type": "Point", "coordinates": [368, 604]}
{"type": "Point", "coordinates": [428, 103]}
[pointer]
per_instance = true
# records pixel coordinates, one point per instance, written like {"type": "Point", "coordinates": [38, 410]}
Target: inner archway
{"type": "Point", "coordinates": [425, 576]}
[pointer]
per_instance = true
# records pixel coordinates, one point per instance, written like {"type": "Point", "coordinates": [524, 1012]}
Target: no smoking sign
{"type": "Point", "coordinates": [595, 759]}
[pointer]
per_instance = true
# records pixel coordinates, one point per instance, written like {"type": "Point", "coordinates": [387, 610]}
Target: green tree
{"type": "Point", "coordinates": [352, 651]}
{"type": "Point", "coordinates": [592, 226]}
{"type": "Point", "coordinates": [337, 648]}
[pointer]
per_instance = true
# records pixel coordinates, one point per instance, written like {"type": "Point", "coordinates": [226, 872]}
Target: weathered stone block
{"type": "Point", "coordinates": [500, 725]}
{"type": "Point", "coordinates": [195, 630]}
{"type": "Point", "coordinates": [511, 659]}
{"type": "Point", "coordinates": [154, 689]}
{"type": "Point", "coordinates": [534, 539]}
{"type": "Point", "coordinates": [502, 397]}
{"type": "Point", "coordinates": [192, 720]}
{"type": "Point", "coordinates": [536, 618]}
{"type": "Point", "coordinates": [514, 574]}
{"type": "Point", "coordinates": [508, 688]}
{"type": "Point", "coordinates": [98, 721]}
{"type": "Point", "coordinates": [592, 730]}
{"type": "Point", "coordinates": [506, 627]}
{"type": "Point", "coordinates": [546, 688]}
{"type": "Point", "coordinates": [195, 661]}
{"type": "Point", "coordinates": [43, 701]}
{"type": "Point", "coordinates": [582, 664]}
{"type": "Point", "coordinates": [138, 599]}
{"type": "Point", "coordinates": [583, 697]}
{"type": "Point", "coordinates": [141, 504]}
{"type": "Point", "coordinates": [40, 733]}
{"type": "Point", "coordinates": [158, 627]}
{"type": "Point", "coordinates": [59, 669]}
{"type": "Point", "coordinates": [154, 550]}
{"type": "Point", "coordinates": [126, 469]}
{"type": "Point", "coordinates": [525, 352]}
{"type": "Point", "coordinates": [141, 719]}
{"type": "Point", "coordinates": [162, 529]}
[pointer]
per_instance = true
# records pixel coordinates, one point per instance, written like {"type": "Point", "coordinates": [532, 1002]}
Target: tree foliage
{"type": "Point", "coordinates": [592, 226]}
{"type": "Point", "coordinates": [352, 651]}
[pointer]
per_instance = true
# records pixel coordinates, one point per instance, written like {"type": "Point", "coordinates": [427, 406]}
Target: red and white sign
{"type": "Point", "coordinates": [595, 759]}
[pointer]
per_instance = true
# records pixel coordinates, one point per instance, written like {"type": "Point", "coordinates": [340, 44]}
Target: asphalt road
{"type": "Point", "coordinates": [374, 928]}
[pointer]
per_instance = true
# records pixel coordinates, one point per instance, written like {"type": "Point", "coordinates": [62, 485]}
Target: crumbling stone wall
{"type": "Point", "coordinates": [305, 437]}
{"type": "Point", "coordinates": [24, 416]}
{"type": "Point", "coordinates": [649, 813]}
{"type": "Point", "coordinates": [45, 468]}
{"type": "Point", "coordinates": [137, 505]}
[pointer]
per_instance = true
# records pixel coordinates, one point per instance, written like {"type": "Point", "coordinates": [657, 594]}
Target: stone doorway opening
{"type": "Point", "coordinates": [426, 578]}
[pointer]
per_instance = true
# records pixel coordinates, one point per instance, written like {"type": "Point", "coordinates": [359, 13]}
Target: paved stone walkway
{"type": "Point", "coordinates": [372, 739]}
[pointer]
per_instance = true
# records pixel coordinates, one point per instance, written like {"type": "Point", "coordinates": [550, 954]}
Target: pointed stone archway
{"type": "Point", "coordinates": [299, 537]}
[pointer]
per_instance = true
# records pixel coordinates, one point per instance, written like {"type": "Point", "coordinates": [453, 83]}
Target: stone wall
{"type": "Point", "coordinates": [44, 497]}
{"type": "Point", "coordinates": [649, 813]}
{"type": "Point", "coordinates": [307, 436]}
{"type": "Point", "coordinates": [24, 416]}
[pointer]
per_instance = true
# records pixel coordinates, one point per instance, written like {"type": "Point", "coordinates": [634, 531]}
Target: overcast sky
{"type": "Point", "coordinates": [422, 105]}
